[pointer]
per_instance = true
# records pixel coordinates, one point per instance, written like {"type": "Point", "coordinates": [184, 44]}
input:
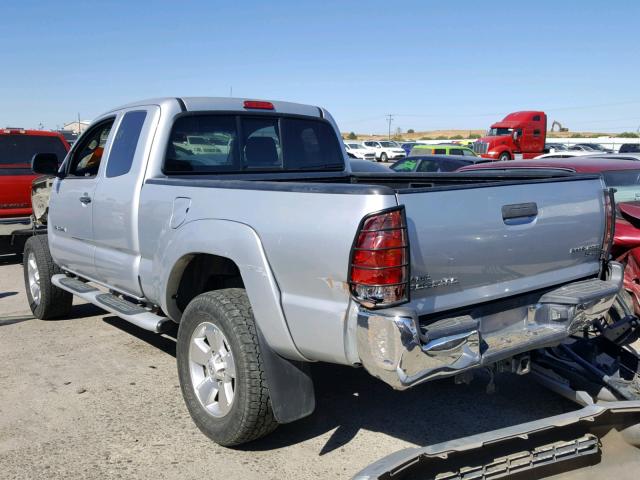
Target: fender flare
{"type": "Point", "coordinates": [288, 377]}
{"type": "Point", "coordinates": [241, 244]}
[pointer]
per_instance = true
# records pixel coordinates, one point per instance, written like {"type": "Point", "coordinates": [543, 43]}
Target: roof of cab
{"type": "Point", "coordinates": [201, 104]}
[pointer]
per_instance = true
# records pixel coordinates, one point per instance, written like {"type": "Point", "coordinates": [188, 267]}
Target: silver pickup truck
{"type": "Point", "coordinates": [270, 254]}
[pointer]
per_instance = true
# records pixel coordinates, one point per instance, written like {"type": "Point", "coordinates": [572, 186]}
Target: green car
{"type": "Point", "coordinates": [442, 149]}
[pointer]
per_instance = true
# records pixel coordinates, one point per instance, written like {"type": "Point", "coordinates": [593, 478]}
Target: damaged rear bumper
{"type": "Point", "coordinates": [547, 446]}
{"type": "Point", "coordinates": [402, 350]}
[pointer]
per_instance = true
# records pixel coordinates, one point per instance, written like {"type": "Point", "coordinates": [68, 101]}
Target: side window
{"type": "Point", "coordinates": [455, 151]}
{"type": "Point", "coordinates": [261, 143]}
{"type": "Point", "coordinates": [439, 151]}
{"type": "Point", "coordinates": [202, 143]}
{"type": "Point", "coordinates": [468, 153]}
{"type": "Point", "coordinates": [86, 158]}
{"type": "Point", "coordinates": [125, 143]}
{"type": "Point", "coordinates": [536, 132]}
{"type": "Point", "coordinates": [405, 166]}
{"type": "Point", "coordinates": [428, 166]}
{"type": "Point", "coordinates": [536, 118]}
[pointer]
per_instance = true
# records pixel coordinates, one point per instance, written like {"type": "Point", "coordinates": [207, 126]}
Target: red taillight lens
{"type": "Point", "coordinates": [258, 105]}
{"type": "Point", "coordinates": [379, 272]}
{"type": "Point", "coordinates": [609, 223]}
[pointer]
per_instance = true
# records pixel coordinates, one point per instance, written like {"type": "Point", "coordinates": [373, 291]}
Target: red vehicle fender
{"type": "Point", "coordinates": [631, 282]}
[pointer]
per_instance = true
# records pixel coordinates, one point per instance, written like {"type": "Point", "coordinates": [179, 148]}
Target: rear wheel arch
{"type": "Point", "coordinates": [196, 273]}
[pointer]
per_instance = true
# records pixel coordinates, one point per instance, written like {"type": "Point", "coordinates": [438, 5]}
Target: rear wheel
{"type": "Point", "coordinates": [220, 368]}
{"type": "Point", "coordinates": [45, 299]}
{"type": "Point", "coordinates": [383, 157]}
{"type": "Point", "coordinates": [504, 156]}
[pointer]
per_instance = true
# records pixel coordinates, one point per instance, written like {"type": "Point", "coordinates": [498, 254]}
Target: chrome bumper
{"type": "Point", "coordinates": [9, 225]}
{"type": "Point", "coordinates": [396, 347]}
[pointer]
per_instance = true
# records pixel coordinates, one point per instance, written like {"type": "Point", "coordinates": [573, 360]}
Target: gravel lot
{"type": "Point", "coordinates": [92, 396]}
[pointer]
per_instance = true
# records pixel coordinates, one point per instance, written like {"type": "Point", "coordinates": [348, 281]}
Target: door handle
{"type": "Point", "coordinates": [85, 199]}
{"type": "Point", "coordinates": [519, 212]}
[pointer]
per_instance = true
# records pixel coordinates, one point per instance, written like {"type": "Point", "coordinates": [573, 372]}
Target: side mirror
{"type": "Point", "coordinates": [516, 135]}
{"type": "Point", "coordinates": [45, 164]}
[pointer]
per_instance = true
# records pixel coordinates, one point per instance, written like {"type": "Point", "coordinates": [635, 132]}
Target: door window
{"type": "Point", "coordinates": [125, 143]}
{"type": "Point", "coordinates": [455, 151]}
{"type": "Point", "coordinates": [439, 151]}
{"type": "Point", "coordinates": [86, 158]}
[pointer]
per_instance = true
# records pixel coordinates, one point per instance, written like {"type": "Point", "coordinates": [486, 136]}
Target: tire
{"type": "Point", "coordinates": [248, 414]}
{"type": "Point", "coordinates": [45, 299]}
{"type": "Point", "coordinates": [504, 156]}
{"type": "Point", "coordinates": [383, 157]}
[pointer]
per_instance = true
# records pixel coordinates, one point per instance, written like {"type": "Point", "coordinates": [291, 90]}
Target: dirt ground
{"type": "Point", "coordinates": [92, 396]}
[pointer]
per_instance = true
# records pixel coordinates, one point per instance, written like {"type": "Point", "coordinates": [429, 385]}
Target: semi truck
{"type": "Point", "coordinates": [519, 135]}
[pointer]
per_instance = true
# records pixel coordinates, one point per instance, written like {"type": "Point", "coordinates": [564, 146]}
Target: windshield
{"type": "Point", "coordinates": [497, 132]}
{"type": "Point", "coordinates": [626, 183]}
{"type": "Point", "coordinates": [389, 144]}
{"type": "Point", "coordinates": [22, 148]}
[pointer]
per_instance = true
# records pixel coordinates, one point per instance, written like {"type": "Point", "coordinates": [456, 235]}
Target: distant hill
{"type": "Point", "coordinates": [466, 134]}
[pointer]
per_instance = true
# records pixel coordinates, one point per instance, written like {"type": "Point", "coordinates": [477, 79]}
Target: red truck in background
{"type": "Point", "coordinates": [519, 135]}
{"type": "Point", "coordinates": [17, 148]}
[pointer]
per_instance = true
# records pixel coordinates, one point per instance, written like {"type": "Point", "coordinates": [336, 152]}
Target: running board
{"type": "Point", "coordinates": [124, 309]}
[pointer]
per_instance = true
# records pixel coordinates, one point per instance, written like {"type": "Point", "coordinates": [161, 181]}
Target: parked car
{"type": "Point", "coordinates": [555, 147]}
{"type": "Point", "coordinates": [433, 163]}
{"type": "Point", "coordinates": [407, 146]}
{"type": "Point", "coordinates": [629, 148]}
{"type": "Point", "coordinates": [618, 172]}
{"type": "Point", "coordinates": [567, 154]}
{"type": "Point", "coordinates": [17, 147]}
{"type": "Point", "coordinates": [271, 254]}
{"type": "Point", "coordinates": [593, 147]}
{"type": "Point", "coordinates": [442, 149]}
{"type": "Point", "coordinates": [385, 150]}
{"type": "Point", "coordinates": [360, 151]}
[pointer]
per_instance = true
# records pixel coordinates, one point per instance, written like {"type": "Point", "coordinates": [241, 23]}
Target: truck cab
{"type": "Point", "coordinates": [519, 135]}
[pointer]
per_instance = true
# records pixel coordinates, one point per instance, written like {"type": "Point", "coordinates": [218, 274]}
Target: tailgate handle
{"type": "Point", "coordinates": [519, 210]}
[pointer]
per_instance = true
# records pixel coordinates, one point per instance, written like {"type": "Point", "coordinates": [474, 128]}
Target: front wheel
{"type": "Point", "coordinates": [45, 299]}
{"type": "Point", "coordinates": [383, 157]}
{"type": "Point", "coordinates": [504, 156]}
{"type": "Point", "coordinates": [220, 368]}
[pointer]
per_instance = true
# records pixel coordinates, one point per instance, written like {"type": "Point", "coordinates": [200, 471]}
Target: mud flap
{"type": "Point", "coordinates": [290, 385]}
{"type": "Point", "coordinates": [550, 446]}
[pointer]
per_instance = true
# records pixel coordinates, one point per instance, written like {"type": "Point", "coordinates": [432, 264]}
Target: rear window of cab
{"type": "Point", "coordinates": [224, 143]}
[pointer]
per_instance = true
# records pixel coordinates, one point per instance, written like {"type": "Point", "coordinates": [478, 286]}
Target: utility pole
{"type": "Point", "coordinates": [79, 124]}
{"type": "Point", "coordinates": [390, 119]}
{"type": "Point", "coordinates": [231, 91]}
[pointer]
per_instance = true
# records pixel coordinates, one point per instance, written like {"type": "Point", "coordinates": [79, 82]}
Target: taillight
{"type": "Point", "coordinates": [609, 223]}
{"type": "Point", "coordinates": [258, 105]}
{"type": "Point", "coordinates": [379, 270]}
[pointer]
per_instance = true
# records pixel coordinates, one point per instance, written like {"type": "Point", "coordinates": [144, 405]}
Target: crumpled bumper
{"type": "Point", "coordinates": [403, 350]}
{"type": "Point", "coordinates": [9, 225]}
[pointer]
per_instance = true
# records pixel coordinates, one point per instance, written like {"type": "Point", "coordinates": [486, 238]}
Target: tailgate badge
{"type": "Point", "coordinates": [587, 250]}
{"type": "Point", "coordinates": [425, 281]}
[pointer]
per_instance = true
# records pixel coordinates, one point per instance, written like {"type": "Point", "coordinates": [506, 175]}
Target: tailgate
{"type": "Point", "coordinates": [15, 190]}
{"type": "Point", "coordinates": [477, 243]}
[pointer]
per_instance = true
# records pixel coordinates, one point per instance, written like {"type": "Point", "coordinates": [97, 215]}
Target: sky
{"type": "Point", "coordinates": [433, 65]}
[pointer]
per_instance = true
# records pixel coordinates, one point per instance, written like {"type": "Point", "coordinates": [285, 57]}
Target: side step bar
{"type": "Point", "coordinates": [124, 309]}
{"type": "Point", "coordinates": [542, 447]}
